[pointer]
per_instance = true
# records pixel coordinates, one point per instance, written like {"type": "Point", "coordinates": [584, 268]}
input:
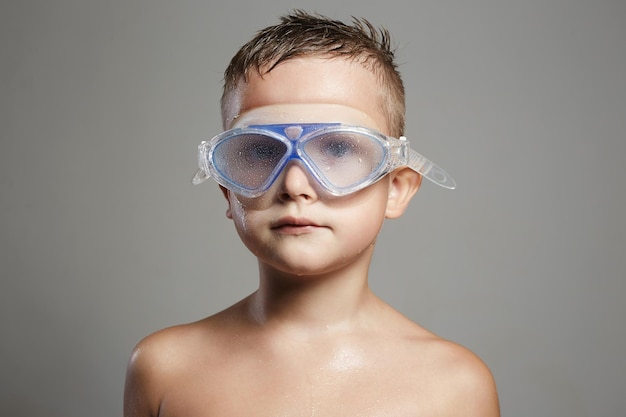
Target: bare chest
{"type": "Point", "coordinates": [297, 391]}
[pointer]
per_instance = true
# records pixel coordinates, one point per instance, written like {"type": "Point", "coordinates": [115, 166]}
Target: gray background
{"type": "Point", "coordinates": [104, 240]}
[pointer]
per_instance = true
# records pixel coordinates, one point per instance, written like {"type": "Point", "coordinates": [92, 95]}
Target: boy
{"type": "Point", "coordinates": [310, 170]}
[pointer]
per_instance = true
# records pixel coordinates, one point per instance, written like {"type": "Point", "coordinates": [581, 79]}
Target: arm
{"type": "Point", "coordinates": [141, 393]}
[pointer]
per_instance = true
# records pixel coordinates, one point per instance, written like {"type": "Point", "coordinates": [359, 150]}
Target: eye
{"type": "Point", "coordinates": [337, 148]}
{"type": "Point", "coordinates": [265, 151]}
{"type": "Point", "coordinates": [255, 149]}
{"type": "Point", "coordinates": [334, 146]}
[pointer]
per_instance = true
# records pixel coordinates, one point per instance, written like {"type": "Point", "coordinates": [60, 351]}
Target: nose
{"type": "Point", "coordinates": [297, 183]}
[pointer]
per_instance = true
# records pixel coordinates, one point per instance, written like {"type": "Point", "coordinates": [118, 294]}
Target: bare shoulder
{"type": "Point", "coordinates": [159, 361]}
{"type": "Point", "coordinates": [462, 382]}
{"type": "Point", "coordinates": [164, 349]}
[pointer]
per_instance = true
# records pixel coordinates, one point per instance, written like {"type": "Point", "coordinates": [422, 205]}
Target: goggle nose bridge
{"type": "Point", "coordinates": [294, 132]}
{"type": "Point", "coordinates": [294, 155]}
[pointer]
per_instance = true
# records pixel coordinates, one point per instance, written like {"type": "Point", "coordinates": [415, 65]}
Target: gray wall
{"type": "Point", "coordinates": [104, 240]}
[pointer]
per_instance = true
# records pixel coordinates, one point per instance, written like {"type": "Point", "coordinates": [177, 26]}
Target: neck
{"type": "Point", "coordinates": [331, 300]}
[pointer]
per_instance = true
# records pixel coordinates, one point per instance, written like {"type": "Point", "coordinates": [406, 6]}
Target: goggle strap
{"type": "Point", "coordinates": [199, 177]}
{"type": "Point", "coordinates": [430, 170]}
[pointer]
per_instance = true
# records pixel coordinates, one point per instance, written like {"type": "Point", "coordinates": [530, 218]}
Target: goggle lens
{"type": "Point", "coordinates": [248, 160]}
{"type": "Point", "coordinates": [344, 159]}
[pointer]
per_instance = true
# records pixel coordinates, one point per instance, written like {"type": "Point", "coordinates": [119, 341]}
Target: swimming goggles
{"type": "Point", "coordinates": [341, 158]}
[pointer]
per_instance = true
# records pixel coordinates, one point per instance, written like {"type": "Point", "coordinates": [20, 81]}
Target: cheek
{"type": "Point", "coordinates": [363, 214]}
{"type": "Point", "coordinates": [245, 213]}
{"type": "Point", "coordinates": [357, 233]}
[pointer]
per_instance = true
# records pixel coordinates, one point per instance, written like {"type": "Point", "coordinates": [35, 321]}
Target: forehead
{"type": "Point", "coordinates": [309, 90]}
{"type": "Point", "coordinates": [305, 113]}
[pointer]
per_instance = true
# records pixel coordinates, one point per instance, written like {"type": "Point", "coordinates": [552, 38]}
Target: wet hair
{"type": "Point", "coordinates": [301, 34]}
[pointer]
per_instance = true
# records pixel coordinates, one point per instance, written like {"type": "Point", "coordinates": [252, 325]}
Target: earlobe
{"type": "Point", "coordinates": [404, 183]}
{"type": "Point", "coordinates": [229, 213]}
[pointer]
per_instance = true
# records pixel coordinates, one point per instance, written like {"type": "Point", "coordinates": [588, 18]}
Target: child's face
{"type": "Point", "coordinates": [295, 226]}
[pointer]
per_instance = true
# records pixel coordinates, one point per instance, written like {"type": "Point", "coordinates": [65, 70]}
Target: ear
{"type": "Point", "coordinates": [229, 213]}
{"type": "Point", "coordinates": [404, 183]}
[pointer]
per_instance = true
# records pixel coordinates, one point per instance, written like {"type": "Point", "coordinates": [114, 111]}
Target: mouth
{"type": "Point", "coordinates": [295, 225]}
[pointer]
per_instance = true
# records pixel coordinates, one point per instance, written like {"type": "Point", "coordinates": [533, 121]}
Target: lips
{"type": "Point", "coordinates": [295, 225]}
